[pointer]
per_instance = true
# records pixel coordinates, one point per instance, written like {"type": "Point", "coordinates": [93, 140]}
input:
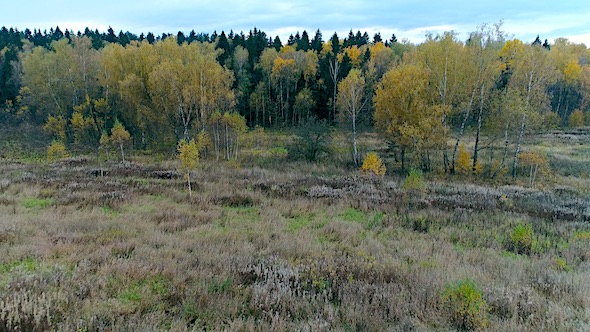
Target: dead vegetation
{"type": "Point", "coordinates": [126, 248]}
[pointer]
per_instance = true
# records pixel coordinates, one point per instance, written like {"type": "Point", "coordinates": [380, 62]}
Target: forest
{"type": "Point", "coordinates": [172, 87]}
{"type": "Point", "coordinates": [237, 182]}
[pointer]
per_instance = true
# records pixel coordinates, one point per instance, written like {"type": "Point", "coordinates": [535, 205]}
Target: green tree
{"type": "Point", "coordinates": [313, 139]}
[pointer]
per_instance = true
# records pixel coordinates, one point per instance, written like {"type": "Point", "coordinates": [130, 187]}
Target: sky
{"type": "Point", "coordinates": [410, 20]}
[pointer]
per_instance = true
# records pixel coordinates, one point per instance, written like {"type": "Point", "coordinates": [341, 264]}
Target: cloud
{"type": "Point", "coordinates": [580, 39]}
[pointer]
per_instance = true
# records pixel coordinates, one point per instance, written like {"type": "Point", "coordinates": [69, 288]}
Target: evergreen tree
{"type": "Point", "coordinates": [57, 34]}
{"type": "Point", "coordinates": [317, 42]}
{"type": "Point", "coordinates": [303, 42]}
{"type": "Point", "coordinates": [277, 44]}
{"type": "Point", "coordinates": [364, 40]}
{"type": "Point", "coordinates": [223, 44]}
{"type": "Point", "coordinates": [111, 37]}
{"type": "Point", "coordinates": [291, 41]}
{"type": "Point", "coordinates": [255, 44]}
{"type": "Point", "coordinates": [377, 38]}
{"type": "Point", "coordinates": [192, 36]}
{"type": "Point", "coordinates": [123, 39]}
{"type": "Point", "coordinates": [349, 41]}
{"type": "Point", "coordinates": [180, 38]}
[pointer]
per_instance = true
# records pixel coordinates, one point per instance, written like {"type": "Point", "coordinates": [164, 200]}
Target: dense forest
{"type": "Point", "coordinates": [162, 89]}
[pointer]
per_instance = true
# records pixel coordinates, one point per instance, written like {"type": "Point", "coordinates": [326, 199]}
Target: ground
{"type": "Point", "coordinates": [263, 245]}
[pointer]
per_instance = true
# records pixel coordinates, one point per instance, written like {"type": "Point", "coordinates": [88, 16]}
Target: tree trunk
{"type": "Point", "coordinates": [190, 190]}
{"type": "Point", "coordinates": [502, 163]}
{"type": "Point", "coordinates": [443, 101]}
{"type": "Point", "coordinates": [122, 152]}
{"type": "Point", "coordinates": [334, 68]}
{"type": "Point", "coordinates": [403, 159]}
{"type": "Point", "coordinates": [461, 131]}
{"type": "Point", "coordinates": [355, 155]}
{"type": "Point", "coordinates": [518, 144]}
{"type": "Point", "coordinates": [477, 136]}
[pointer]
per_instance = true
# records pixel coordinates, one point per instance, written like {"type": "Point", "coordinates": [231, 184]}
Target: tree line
{"type": "Point", "coordinates": [171, 87]}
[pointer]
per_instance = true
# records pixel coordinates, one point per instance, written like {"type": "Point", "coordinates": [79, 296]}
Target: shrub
{"type": "Point", "coordinates": [204, 144]}
{"type": "Point", "coordinates": [415, 181]}
{"type": "Point", "coordinates": [313, 140]}
{"type": "Point", "coordinates": [373, 164]}
{"type": "Point", "coordinates": [535, 163]}
{"type": "Point", "coordinates": [465, 305]}
{"type": "Point", "coordinates": [463, 161]}
{"type": "Point", "coordinates": [551, 121]}
{"type": "Point", "coordinates": [587, 117]}
{"type": "Point", "coordinates": [576, 119]}
{"type": "Point", "coordinates": [521, 239]}
{"type": "Point", "coordinates": [55, 151]}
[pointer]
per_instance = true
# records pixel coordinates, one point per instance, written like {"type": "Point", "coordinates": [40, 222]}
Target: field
{"type": "Point", "coordinates": [270, 244]}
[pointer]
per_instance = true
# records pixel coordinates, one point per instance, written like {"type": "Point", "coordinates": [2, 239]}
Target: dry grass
{"type": "Point", "coordinates": [304, 247]}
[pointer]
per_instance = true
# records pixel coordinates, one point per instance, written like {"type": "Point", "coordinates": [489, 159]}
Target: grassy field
{"type": "Point", "coordinates": [270, 244]}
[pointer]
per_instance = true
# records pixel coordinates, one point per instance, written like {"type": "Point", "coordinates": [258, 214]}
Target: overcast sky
{"type": "Point", "coordinates": [407, 19]}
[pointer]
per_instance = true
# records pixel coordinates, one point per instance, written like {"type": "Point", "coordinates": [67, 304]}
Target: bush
{"type": "Point", "coordinates": [464, 165]}
{"type": "Point", "coordinates": [373, 164]}
{"type": "Point", "coordinates": [57, 150]}
{"type": "Point", "coordinates": [415, 181]}
{"type": "Point", "coordinates": [313, 140]}
{"type": "Point", "coordinates": [576, 119]}
{"type": "Point", "coordinates": [521, 239]}
{"type": "Point", "coordinates": [465, 305]}
{"type": "Point", "coordinates": [551, 121]}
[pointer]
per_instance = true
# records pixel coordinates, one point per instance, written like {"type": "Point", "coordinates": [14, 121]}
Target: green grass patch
{"type": "Point", "coordinates": [37, 203]}
{"type": "Point", "coordinates": [107, 210]}
{"type": "Point", "coordinates": [243, 213]}
{"type": "Point", "coordinates": [150, 288]}
{"type": "Point", "coordinates": [27, 264]}
{"type": "Point", "coordinates": [220, 286]}
{"type": "Point", "coordinates": [354, 215]}
{"type": "Point", "coordinates": [582, 236]}
{"type": "Point", "coordinates": [299, 222]}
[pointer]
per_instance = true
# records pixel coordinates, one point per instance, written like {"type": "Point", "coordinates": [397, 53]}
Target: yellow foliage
{"type": "Point", "coordinates": [119, 133]}
{"type": "Point", "coordinates": [572, 72]}
{"type": "Point", "coordinates": [287, 49]}
{"type": "Point", "coordinates": [118, 136]}
{"type": "Point", "coordinates": [79, 125]}
{"type": "Point", "coordinates": [55, 151]}
{"type": "Point", "coordinates": [354, 53]}
{"type": "Point", "coordinates": [402, 110]}
{"type": "Point", "coordinates": [576, 119]}
{"type": "Point", "coordinates": [464, 164]}
{"type": "Point", "coordinates": [56, 125]}
{"type": "Point", "coordinates": [188, 152]}
{"type": "Point", "coordinates": [511, 49]}
{"type": "Point", "coordinates": [376, 48]}
{"type": "Point", "coordinates": [373, 164]}
{"type": "Point", "coordinates": [530, 158]}
{"type": "Point", "coordinates": [204, 143]}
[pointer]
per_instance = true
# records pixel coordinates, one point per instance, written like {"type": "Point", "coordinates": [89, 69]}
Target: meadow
{"type": "Point", "coordinates": [270, 244]}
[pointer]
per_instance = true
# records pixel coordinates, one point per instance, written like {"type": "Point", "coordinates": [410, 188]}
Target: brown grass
{"type": "Point", "coordinates": [306, 247]}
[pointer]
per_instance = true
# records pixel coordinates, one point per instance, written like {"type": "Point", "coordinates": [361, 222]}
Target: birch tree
{"type": "Point", "coordinates": [351, 101]}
